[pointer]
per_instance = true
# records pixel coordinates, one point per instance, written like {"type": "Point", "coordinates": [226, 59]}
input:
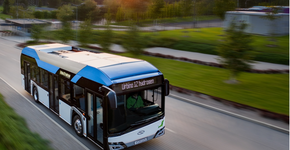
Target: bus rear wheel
{"type": "Point", "coordinates": [35, 94]}
{"type": "Point", "coordinates": [78, 125]}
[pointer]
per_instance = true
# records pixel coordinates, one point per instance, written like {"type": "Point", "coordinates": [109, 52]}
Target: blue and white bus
{"type": "Point", "coordinates": [114, 101]}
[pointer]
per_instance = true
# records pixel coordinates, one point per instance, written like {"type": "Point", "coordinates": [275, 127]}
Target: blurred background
{"type": "Point", "coordinates": [230, 54]}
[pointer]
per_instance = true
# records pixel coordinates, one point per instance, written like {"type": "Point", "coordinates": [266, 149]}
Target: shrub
{"type": "Point", "coordinates": [273, 58]}
{"type": "Point", "coordinates": [195, 47]}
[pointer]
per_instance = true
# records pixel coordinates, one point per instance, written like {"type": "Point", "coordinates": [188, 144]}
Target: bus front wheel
{"type": "Point", "coordinates": [35, 94]}
{"type": "Point", "coordinates": [78, 125]}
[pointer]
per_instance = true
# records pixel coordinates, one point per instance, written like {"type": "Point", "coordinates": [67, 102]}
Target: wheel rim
{"type": "Point", "coordinates": [35, 95]}
{"type": "Point", "coordinates": [78, 126]}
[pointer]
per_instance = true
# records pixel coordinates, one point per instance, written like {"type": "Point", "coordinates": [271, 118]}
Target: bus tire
{"type": "Point", "coordinates": [35, 94]}
{"type": "Point", "coordinates": [78, 125]}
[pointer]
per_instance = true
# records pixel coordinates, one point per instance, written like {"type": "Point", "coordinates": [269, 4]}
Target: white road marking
{"type": "Point", "coordinates": [233, 114]}
{"type": "Point", "coordinates": [86, 148]}
{"type": "Point", "coordinates": [170, 130]}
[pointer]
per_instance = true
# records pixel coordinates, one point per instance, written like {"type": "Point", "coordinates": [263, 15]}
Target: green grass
{"type": "Point", "coordinates": [264, 91]}
{"type": "Point", "coordinates": [104, 26]}
{"type": "Point", "coordinates": [3, 16]}
{"type": "Point", "coordinates": [205, 40]}
{"type": "Point", "coordinates": [14, 133]}
{"type": "Point", "coordinates": [212, 36]}
{"type": "Point", "coordinates": [147, 22]}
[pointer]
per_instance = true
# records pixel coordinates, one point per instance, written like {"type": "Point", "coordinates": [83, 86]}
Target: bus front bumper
{"type": "Point", "coordinates": [121, 145]}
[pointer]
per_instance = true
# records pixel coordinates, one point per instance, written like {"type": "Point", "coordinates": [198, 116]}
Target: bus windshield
{"type": "Point", "coordinates": [135, 109]}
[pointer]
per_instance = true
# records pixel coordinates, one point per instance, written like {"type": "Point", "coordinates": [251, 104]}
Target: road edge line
{"type": "Point", "coordinates": [231, 114]}
{"type": "Point", "coordinates": [46, 115]}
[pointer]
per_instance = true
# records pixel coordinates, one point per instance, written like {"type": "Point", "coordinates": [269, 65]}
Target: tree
{"type": "Point", "coordinates": [187, 6]}
{"type": "Point", "coordinates": [6, 7]}
{"type": "Point", "coordinates": [40, 3]}
{"type": "Point", "coordinates": [24, 3]}
{"type": "Point", "coordinates": [65, 15]}
{"type": "Point", "coordinates": [133, 42]}
{"type": "Point", "coordinates": [88, 10]}
{"type": "Point", "coordinates": [37, 32]}
{"type": "Point", "coordinates": [204, 7]}
{"type": "Point", "coordinates": [235, 50]}
{"type": "Point", "coordinates": [54, 3]}
{"type": "Point", "coordinates": [66, 32]}
{"type": "Point", "coordinates": [85, 33]}
{"type": "Point", "coordinates": [157, 7]}
{"type": "Point", "coordinates": [106, 37]}
{"type": "Point", "coordinates": [113, 5]}
{"type": "Point", "coordinates": [20, 12]}
{"type": "Point", "coordinates": [120, 15]}
{"type": "Point", "coordinates": [222, 6]}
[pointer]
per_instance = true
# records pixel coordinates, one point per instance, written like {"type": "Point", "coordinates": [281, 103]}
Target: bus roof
{"type": "Point", "coordinates": [104, 68]}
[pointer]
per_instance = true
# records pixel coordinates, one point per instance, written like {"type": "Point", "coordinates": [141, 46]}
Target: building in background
{"type": "Point", "coordinates": [22, 26]}
{"type": "Point", "coordinates": [257, 23]}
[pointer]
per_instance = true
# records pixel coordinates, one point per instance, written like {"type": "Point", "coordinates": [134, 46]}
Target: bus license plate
{"type": "Point", "coordinates": [140, 141]}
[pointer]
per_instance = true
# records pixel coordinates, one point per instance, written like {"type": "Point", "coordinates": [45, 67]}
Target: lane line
{"type": "Point", "coordinates": [232, 114]}
{"type": "Point", "coordinates": [86, 148]}
{"type": "Point", "coordinates": [170, 130]}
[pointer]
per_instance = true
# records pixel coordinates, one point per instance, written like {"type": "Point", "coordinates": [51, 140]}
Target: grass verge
{"type": "Point", "coordinates": [4, 16]}
{"type": "Point", "coordinates": [147, 22]}
{"type": "Point", "coordinates": [264, 91]}
{"type": "Point", "coordinates": [204, 40]}
{"type": "Point", "coordinates": [14, 133]}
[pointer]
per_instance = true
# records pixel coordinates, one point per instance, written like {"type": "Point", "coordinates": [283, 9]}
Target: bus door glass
{"type": "Point", "coordinates": [53, 93]}
{"type": "Point", "coordinates": [95, 120]}
{"type": "Point", "coordinates": [27, 76]}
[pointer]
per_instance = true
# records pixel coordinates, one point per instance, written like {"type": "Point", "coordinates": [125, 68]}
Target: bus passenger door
{"type": "Point", "coordinates": [27, 77]}
{"type": "Point", "coordinates": [95, 112]}
{"type": "Point", "coordinates": [53, 93]}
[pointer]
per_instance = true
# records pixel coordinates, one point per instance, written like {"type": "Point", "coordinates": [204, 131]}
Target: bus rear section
{"type": "Point", "coordinates": [114, 101]}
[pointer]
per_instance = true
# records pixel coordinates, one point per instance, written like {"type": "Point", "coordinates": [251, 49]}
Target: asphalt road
{"type": "Point", "coordinates": [188, 127]}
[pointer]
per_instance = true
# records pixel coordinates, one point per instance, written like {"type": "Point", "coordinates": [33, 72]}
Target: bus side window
{"type": "Point", "coordinates": [65, 89]}
{"type": "Point", "coordinates": [37, 74]}
{"type": "Point", "coordinates": [44, 78]}
{"type": "Point", "coordinates": [32, 70]}
{"type": "Point", "coordinates": [79, 96]}
{"type": "Point", "coordinates": [40, 76]}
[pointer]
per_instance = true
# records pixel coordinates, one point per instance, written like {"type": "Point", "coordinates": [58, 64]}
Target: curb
{"type": "Point", "coordinates": [231, 114]}
{"type": "Point", "coordinates": [217, 65]}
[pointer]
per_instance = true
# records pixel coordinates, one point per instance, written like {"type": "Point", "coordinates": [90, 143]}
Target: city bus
{"type": "Point", "coordinates": [114, 101]}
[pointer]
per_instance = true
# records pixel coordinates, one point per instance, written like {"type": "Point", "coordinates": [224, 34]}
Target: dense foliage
{"type": "Point", "coordinates": [45, 14]}
{"type": "Point", "coordinates": [84, 35]}
{"type": "Point", "coordinates": [14, 133]}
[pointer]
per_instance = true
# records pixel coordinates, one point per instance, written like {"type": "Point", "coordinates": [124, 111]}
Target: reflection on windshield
{"type": "Point", "coordinates": [134, 109]}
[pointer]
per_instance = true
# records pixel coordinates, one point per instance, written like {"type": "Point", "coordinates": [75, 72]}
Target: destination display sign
{"type": "Point", "coordinates": [137, 84]}
{"type": "Point", "coordinates": [65, 74]}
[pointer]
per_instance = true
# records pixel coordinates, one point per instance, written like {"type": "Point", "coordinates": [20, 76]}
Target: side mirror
{"type": "Point", "coordinates": [166, 85]}
{"type": "Point", "coordinates": [111, 95]}
{"type": "Point", "coordinates": [112, 99]}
